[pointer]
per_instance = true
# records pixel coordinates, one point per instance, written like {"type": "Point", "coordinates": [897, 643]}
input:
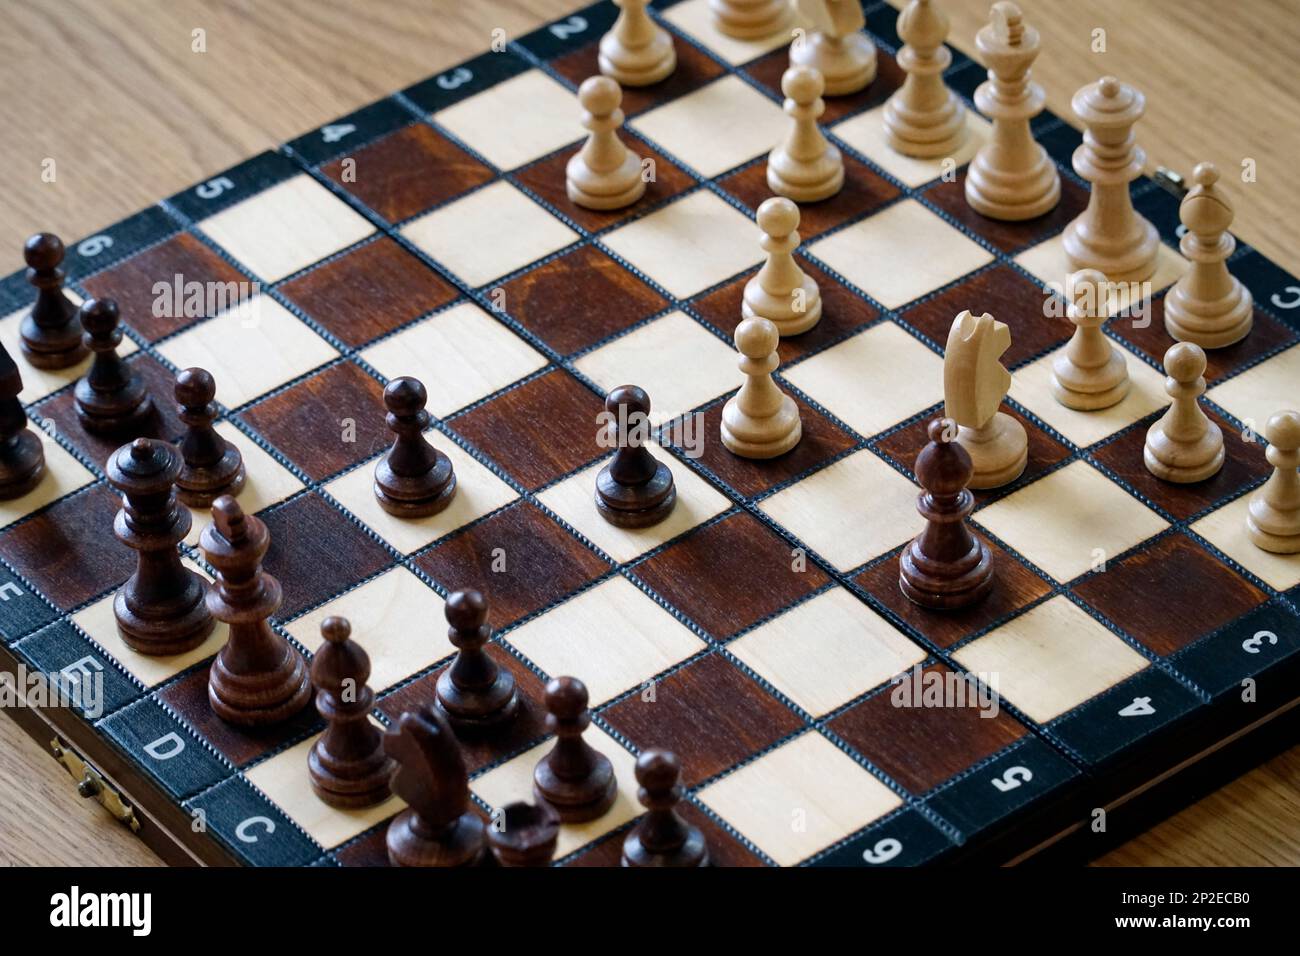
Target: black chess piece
{"type": "Point", "coordinates": [160, 609]}
{"type": "Point", "coordinates": [212, 466]}
{"type": "Point", "coordinates": [111, 399]}
{"type": "Point", "coordinates": [662, 837]}
{"type": "Point", "coordinates": [22, 456]}
{"type": "Point", "coordinates": [524, 834]}
{"type": "Point", "coordinates": [50, 332]}
{"type": "Point", "coordinates": [257, 678]}
{"type": "Point", "coordinates": [439, 828]}
{"type": "Point", "coordinates": [574, 778]}
{"type": "Point", "coordinates": [474, 693]}
{"type": "Point", "coordinates": [347, 764]}
{"type": "Point", "coordinates": [634, 490]}
{"type": "Point", "coordinates": [414, 479]}
{"type": "Point", "coordinates": [945, 567]}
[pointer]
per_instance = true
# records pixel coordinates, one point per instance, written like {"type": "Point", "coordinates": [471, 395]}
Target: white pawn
{"type": "Point", "coordinates": [1273, 521]}
{"type": "Point", "coordinates": [1184, 445]}
{"type": "Point", "coordinates": [604, 174]}
{"type": "Point", "coordinates": [838, 48]}
{"type": "Point", "coordinates": [750, 19]}
{"type": "Point", "coordinates": [759, 421]}
{"type": "Point", "coordinates": [1090, 373]}
{"type": "Point", "coordinates": [806, 167]}
{"type": "Point", "coordinates": [636, 51]}
{"type": "Point", "coordinates": [781, 292]}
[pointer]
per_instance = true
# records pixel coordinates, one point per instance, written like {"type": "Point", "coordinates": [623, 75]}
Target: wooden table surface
{"type": "Point", "coordinates": [112, 91]}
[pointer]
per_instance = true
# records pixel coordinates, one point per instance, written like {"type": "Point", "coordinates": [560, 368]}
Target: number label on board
{"type": "Point", "coordinates": [884, 851]}
{"type": "Point", "coordinates": [93, 246]}
{"type": "Point", "coordinates": [336, 131]}
{"type": "Point", "coordinates": [1256, 641]}
{"type": "Point", "coordinates": [214, 187]}
{"type": "Point", "coordinates": [1013, 778]}
{"type": "Point", "coordinates": [1292, 301]}
{"type": "Point", "coordinates": [456, 78]}
{"type": "Point", "coordinates": [569, 28]}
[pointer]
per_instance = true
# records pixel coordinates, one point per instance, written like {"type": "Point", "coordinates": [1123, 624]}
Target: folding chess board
{"type": "Point", "coordinates": [759, 631]}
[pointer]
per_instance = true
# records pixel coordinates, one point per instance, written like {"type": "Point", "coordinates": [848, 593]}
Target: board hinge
{"type": "Point", "coordinates": [91, 783]}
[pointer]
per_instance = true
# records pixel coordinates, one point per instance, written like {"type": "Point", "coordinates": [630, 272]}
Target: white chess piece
{"type": "Point", "coordinates": [836, 47]}
{"type": "Point", "coordinates": [759, 421]}
{"type": "Point", "coordinates": [1090, 373]}
{"type": "Point", "coordinates": [974, 384]}
{"type": "Point", "coordinates": [604, 174]}
{"type": "Point", "coordinates": [636, 51]}
{"type": "Point", "coordinates": [1273, 521]}
{"type": "Point", "coordinates": [781, 292]}
{"type": "Point", "coordinates": [805, 167]}
{"type": "Point", "coordinates": [1184, 445]}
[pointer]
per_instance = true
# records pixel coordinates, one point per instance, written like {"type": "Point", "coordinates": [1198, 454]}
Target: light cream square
{"type": "Point", "coordinates": [866, 133]}
{"type": "Point", "coordinates": [694, 19]}
{"type": "Point", "coordinates": [849, 513]}
{"type": "Point", "coordinates": [513, 780]}
{"type": "Point", "coordinates": [395, 617]}
{"type": "Point", "coordinates": [286, 228]}
{"type": "Point", "coordinates": [1226, 530]}
{"type": "Point", "coordinates": [490, 232]}
{"type": "Point", "coordinates": [799, 798]}
{"type": "Point", "coordinates": [478, 492]}
{"type": "Point", "coordinates": [611, 636]}
{"type": "Point", "coordinates": [283, 778]}
{"type": "Point", "coordinates": [1259, 392]}
{"type": "Point", "coordinates": [38, 383]}
{"type": "Point", "coordinates": [1031, 386]}
{"type": "Point", "coordinates": [1047, 261]}
{"type": "Point", "coordinates": [689, 245]}
{"type": "Point", "coordinates": [462, 354]}
{"type": "Point", "coordinates": [573, 499]}
{"type": "Point", "coordinates": [827, 651]}
{"type": "Point", "coordinates": [251, 349]}
{"type": "Point", "coordinates": [717, 127]}
{"type": "Point", "coordinates": [63, 475]}
{"type": "Point", "coordinates": [1070, 521]}
{"type": "Point", "coordinates": [900, 254]}
{"type": "Point", "coordinates": [516, 121]}
{"type": "Point", "coordinates": [873, 380]}
{"type": "Point", "coordinates": [680, 364]}
{"type": "Point", "coordinates": [266, 481]}
{"type": "Point", "coordinates": [1051, 659]}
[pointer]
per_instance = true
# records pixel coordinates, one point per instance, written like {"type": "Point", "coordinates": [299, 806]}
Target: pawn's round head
{"type": "Point", "coordinates": [1205, 174]}
{"type": "Point", "coordinates": [630, 397]}
{"type": "Point", "coordinates": [1283, 430]}
{"type": "Point", "coordinates": [405, 396]}
{"type": "Point", "coordinates": [1109, 87]}
{"type": "Point", "coordinates": [657, 770]}
{"type": "Point", "coordinates": [229, 518]}
{"type": "Point", "coordinates": [142, 449]}
{"type": "Point", "coordinates": [99, 317]}
{"type": "Point", "coordinates": [335, 629]}
{"type": "Point", "coordinates": [43, 251]}
{"type": "Point", "coordinates": [757, 338]}
{"type": "Point", "coordinates": [1085, 289]}
{"type": "Point", "coordinates": [1185, 362]}
{"type": "Point", "coordinates": [466, 610]}
{"type": "Point", "coordinates": [600, 95]}
{"type": "Point", "coordinates": [803, 84]}
{"type": "Point", "coordinates": [195, 387]}
{"type": "Point", "coordinates": [566, 697]}
{"type": "Point", "coordinates": [778, 216]}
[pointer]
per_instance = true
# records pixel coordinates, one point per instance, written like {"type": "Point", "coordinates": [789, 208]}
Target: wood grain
{"type": "Point", "coordinates": [141, 116]}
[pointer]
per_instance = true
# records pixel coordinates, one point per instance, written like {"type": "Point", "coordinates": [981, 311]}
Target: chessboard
{"type": "Point", "coordinates": [759, 633]}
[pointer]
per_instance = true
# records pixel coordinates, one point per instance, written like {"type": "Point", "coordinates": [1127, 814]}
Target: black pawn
{"type": "Point", "coordinates": [524, 834]}
{"type": "Point", "coordinates": [347, 764]}
{"type": "Point", "coordinates": [50, 331]}
{"type": "Point", "coordinates": [474, 693]}
{"type": "Point", "coordinates": [634, 490]}
{"type": "Point", "coordinates": [212, 466]}
{"type": "Point", "coordinates": [111, 398]}
{"type": "Point", "coordinates": [945, 567]}
{"type": "Point", "coordinates": [414, 479]}
{"type": "Point", "coordinates": [662, 838]}
{"type": "Point", "coordinates": [22, 456]}
{"type": "Point", "coordinates": [575, 779]}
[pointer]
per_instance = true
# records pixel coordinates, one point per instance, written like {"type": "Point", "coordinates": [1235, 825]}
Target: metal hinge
{"type": "Point", "coordinates": [91, 783]}
{"type": "Point", "coordinates": [1171, 181]}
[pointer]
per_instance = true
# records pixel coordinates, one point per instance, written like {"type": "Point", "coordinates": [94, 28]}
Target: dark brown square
{"type": "Point", "coordinates": [316, 552]}
{"type": "Point", "coordinates": [729, 575]}
{"type": "Point", "coordinates": [159, 381]}
{"type": "Point", "coordinates": [369, 291]}
{"type": "Point", "coordinates": [1266, 336]}
{"type": "Point", "coordinates": [1008, 236]}
{"type": "Point", "coordinates": [68, 551]}
{"type": "Point", "coordinates": [694, 69]}
{"type": "Point", "coordinates": [864, 191]}
{"type": "Point", "coordinates": [409, 171]}
{"type": "Point", "coordinates": [1006, 295]}
{"type": "Point", "coordinates": [527, 728]}
{"type": "Point", "coordinates": [240, 745]}
{"type": "Point", "coordinates": [921, 747]}
{"type": "Point", "coordinates": [709, 713]}
{"type": "Point", "coordinates": [326, 422]}
{"type": "Point", "coordinates": [724, 849]}
{"type": "Point", "coordinates": [579, 299]}
{"type": "Point", "coordinates": [843, 312]}
{"type": "Point", "coordinates": [131, 283]}
{"type": "Point", "coordinates": [1014, 587]}
{"type": "Point", "coordinates": [1170, 593]}
{"type": "Point", "coordinates": [542, 562]}
{"type": "Point", "coordinates": [822, 440]}
{"type": "Point", "coordinates": [537, 431]}
{"type": "Point", "coordinates": [1243, 464]}
{"type": "Point", "coordinates": [889, 77]}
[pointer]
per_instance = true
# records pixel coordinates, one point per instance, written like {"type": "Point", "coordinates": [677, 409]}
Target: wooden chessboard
{"type": "Point", "coordinates": [759, 631]}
